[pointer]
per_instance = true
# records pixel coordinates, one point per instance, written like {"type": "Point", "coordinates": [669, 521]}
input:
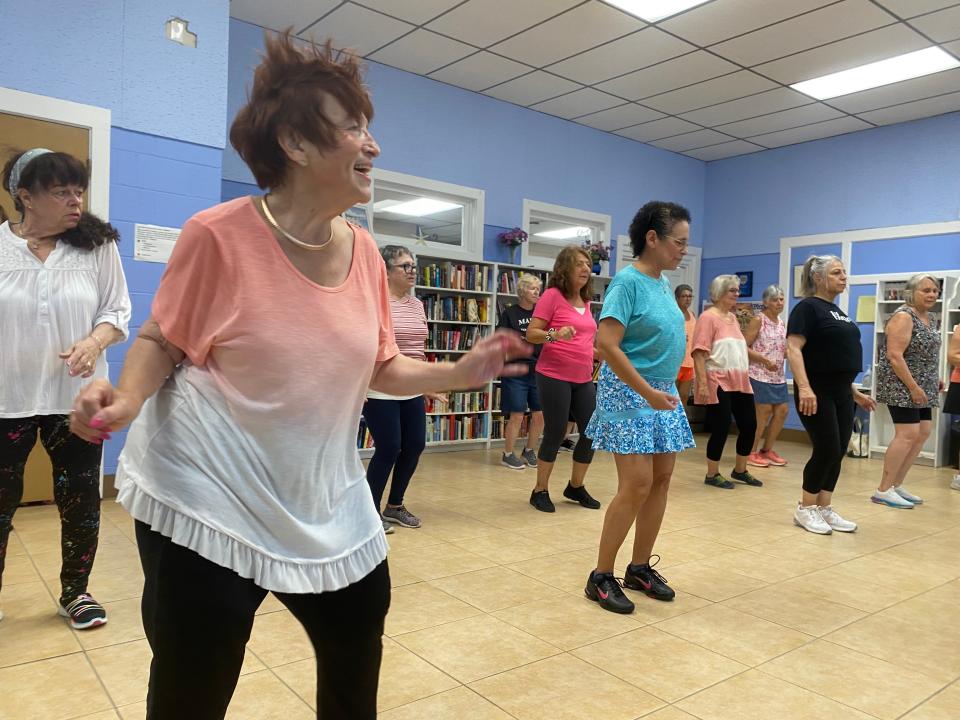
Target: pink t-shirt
{"type": "Point", "coordinates": [727, 362]}
{"type": "Point", "coordinates": [569, 360]}
{"type": "Point", "coordinates": [247, 454]}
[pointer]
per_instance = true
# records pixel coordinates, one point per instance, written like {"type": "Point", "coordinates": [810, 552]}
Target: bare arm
{"type": "Point", "coordinates": [801, 383]}
{"type": "Point", "coordinates": [899, 330]}
{"type": "Point", "coordinates": [81, 357]}
{"type": "Point", "coordinates": [537, 331]}
{"type": "Point", "coordinates": [701, 387]}
{"type": "Point", "coordinates": [609, 337]}
{"type": "Point", "coordinates": [750, 333]}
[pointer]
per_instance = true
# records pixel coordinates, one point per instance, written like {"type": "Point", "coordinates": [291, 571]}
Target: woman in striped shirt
{"type": "Point", "coordinates": [722, 383]}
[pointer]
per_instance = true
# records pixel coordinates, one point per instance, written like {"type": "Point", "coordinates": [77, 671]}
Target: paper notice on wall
{"type": "Point", "coordinates": [867, 309]}
{"type": "Point", "coordinates": [153, 243]}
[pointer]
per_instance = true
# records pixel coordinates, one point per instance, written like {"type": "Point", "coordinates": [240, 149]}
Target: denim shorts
{"type": "Point", "coordinates": [519, 393]}
{"type": "Point", "coordinates": [769, 393]}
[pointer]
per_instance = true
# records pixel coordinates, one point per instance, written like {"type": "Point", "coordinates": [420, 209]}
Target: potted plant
{"type": "Point", "coordinates": [513, 239]}
{"type": "Point", "coordinates": [598, 253]}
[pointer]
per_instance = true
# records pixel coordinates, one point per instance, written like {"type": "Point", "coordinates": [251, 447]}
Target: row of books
{"type": "Point", "coordinates": [460, 402]}
{"type": "Point", "coordinates": [461, 338]}
{"type": "Point", "coordinates": [455, 308]}
{"type": "Point", "coordinates": [499, 424]}
{"type": "Point", "coordinates": [457, 427]}
{"type": "Point", "coordinates": [364, 438]}
{"type": "Point", "coordinates": [453, 276]}
{"type": "Point", "coordinates": [507, 282]}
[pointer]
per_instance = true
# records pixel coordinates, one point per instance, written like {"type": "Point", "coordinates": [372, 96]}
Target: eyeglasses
{"type": "Point", "coordinates": [681, 244]}
{"type": "Point", "coordinates": [408, 268]}
{"type": "Point", "coordinates": [360, 132]}
{"type": "Point", "coordinates": [65, 195]}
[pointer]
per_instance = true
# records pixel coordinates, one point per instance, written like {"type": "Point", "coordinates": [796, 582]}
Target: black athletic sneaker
{"type": "Point", "coordinates": [648, 581]}
{"type": "Point", "coordinates": [604, 588]}
{"type": "Point", "coordinates": [541, 501]}
{"type": "Point", "coordinates": [567, 445]}
{"type": "Point", "coordinates": [580, 495]}
{"type": "Point", "coordinates": [718, 481]}
{"type": "Point", "coordinates": [747, 478]}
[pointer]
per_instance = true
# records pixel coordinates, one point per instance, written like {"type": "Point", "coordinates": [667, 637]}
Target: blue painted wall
{"type": "Point", "coordinates": [896, 175]}
{"type": "Point", "coordinates": [765, 268]}
{"type": "Point", "coordinates": [432, 130]}
{"type": "Point", "coordinates": [113, 54]}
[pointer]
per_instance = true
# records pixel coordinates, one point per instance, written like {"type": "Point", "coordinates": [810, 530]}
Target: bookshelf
{"type": "Point", "coordinates": [945, 314]}
{"type": "Point", "coordinates": [462, 302]}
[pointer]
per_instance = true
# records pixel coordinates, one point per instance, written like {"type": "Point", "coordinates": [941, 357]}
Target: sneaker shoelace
{"type": "Point", "coordinates": [653, 572]}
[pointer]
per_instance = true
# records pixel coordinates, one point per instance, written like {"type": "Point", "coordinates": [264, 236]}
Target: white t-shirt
{"type": "Point", "coordinates": [45, 307]}
{"type": "Point", "coordinates": [247, 455]}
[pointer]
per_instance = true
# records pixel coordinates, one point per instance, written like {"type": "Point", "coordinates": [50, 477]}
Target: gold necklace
{"type": "Point", "coordinates": [288, 236]}
{"type": "Point", "coordinates": [34, 245]}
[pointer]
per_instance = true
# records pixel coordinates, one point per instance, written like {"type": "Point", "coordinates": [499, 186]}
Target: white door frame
{"type": "Point", "coordinates": [95, 119]}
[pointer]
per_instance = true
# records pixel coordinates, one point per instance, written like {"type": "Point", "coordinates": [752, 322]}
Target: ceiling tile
{"type": "Point", "coordinates": [578, 103]}
{"type": "Point", "coordinates": [901, 92]}
{"type": "Point", "coordinates": [760, 104]}
{"type": "Point", "coordinates": [940, 26]}
{"type": "Point", "coordinates": [914, 110]}
{"type": "Point", "coordinates": [580, 29]}
{"type": "Point", "coordinates": [844, 54]}
{"type": "Point", "coordinates": [802, 33]}
{"type": "Point", "coordinates": [620, 117]}
{"type": "Point", "coordinates": [480, 71]}
{"type": "Point", "coordinates": [795, 117]}
{"type": "Point", "coordinates": [685, 70]}
{"type": "Point", "coordinates": [810, 132]}
{"type": "Point", "coordinates": [484, 22]}
{"type": "Point", "coordinates": [665, 127]}
{"type": "Point", "coordinates": [280, 16]}
{"type": "Point", "coordinates": [352, 26]}
{"type": "Point", "coordinates": [638, 50]}
{"type": "Point", "coordinates": [912, 8]}
{"type": "Point", "coordinates": [533, 88]}
{"type": "Point", "coordinates": [953, 47]}
{"type": "Point", "coordinates": [718, 90]}
{"type": "Point", "coordinates": [689, 141]}
{"type": "Point", "coordinates": [724, 150]}
{"type": "Point", "coordinates": [716, 21]}
{"type": "Point", "coordinates": [415, 11]}
{"type": "Point", "coordinates": [422, 52]}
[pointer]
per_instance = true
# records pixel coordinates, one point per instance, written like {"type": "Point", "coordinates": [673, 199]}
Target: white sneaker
{"type": "Point", "coordinates": [832, 518]}
{"type": "Point", "coordinates": [955, 483]}
{"type": "Point", "coordinates": [891, 498]}
{"type": "Point", "coordinates": [909, 496]}
{"type": "Point", "coordinates": [388, 528]}
{"type": "Point", "coordinates": [808, 517]}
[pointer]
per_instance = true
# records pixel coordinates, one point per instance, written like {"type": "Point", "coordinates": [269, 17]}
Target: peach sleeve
{"type": "Point", "coordinates": [387, 342]}
{"type": "Point", "coordinates": [703, 333]}
{"type": "Point", "coordinates": [195, 299]}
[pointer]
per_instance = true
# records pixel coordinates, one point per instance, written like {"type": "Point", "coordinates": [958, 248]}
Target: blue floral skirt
{"type": "Point", "coordinates": [624, 423]}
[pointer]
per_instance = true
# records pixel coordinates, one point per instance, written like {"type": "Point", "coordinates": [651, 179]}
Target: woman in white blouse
{"type": "Point", "coordinates": [64, 300]}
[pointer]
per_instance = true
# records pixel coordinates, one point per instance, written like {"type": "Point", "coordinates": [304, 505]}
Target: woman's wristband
{"type": "Point", "coordinates": [552, 335]}
{"type": "Point", "coordinates": [97, 341]}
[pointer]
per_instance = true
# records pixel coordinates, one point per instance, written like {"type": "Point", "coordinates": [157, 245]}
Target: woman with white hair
{"type": "Point", "coordinates": [766, 337]}
{"type": "Point", "coordinates": [909, 384]}
{"type": "Point", "coordinates": [722, 382]}
{"type": "Point", "coordinates": [823, 347]}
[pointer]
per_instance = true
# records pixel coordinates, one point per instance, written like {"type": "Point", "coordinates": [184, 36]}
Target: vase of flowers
{"type": "Point", "coordinates": [598, 253]}
{"type": "Point", "coordinates": [513, 239]}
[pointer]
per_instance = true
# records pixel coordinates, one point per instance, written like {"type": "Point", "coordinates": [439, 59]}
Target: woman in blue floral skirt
{"type": "Point", "coordinates": [639, 417]}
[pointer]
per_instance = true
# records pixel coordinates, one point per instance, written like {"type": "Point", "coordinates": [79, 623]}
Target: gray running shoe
{"type": "Point", "coordinates": [388, 529]}
{"type": "Point", "coordinates": [512, 461]}
{"type": "Point", "coordinates": [401, 516]}
{"type": "Point", "coordinates": [530, 457]}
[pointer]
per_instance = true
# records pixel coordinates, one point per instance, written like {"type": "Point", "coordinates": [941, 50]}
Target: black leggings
{"type": "Point", "coordinates": [829, 430]}
{"type": "Point", "coordinates": [399, 431]}
{"type": "Point", "coordinates": [740, 406]}
{"type": "Point", "coordinates": [76, 489]}
{"type": "Point", "coordinates": [560, 401]}
{"type": "Point", "coordinates": [198, 616]}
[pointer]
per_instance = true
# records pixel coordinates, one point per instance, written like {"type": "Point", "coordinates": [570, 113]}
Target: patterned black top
{"type": "Point", "coordinates": [922, 356]}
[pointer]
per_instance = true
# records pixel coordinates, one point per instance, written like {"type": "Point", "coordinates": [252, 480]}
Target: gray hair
{"type": "Point", "coordinates": [815, 266]}
{"type": "Point", "coordinates": [722, 284]}
{"type": "Point", "coordinates": [772, 291]}
{"type": "Point", "coordinates": [389, 253]}
{"type": "Point", "coordinates": [913, 284]}
{"type": "Point", "coordinates": [680, 289]}
{"type": "Point", "coordinates": [528, 280]}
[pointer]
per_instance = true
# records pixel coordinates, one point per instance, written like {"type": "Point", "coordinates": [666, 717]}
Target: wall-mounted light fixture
{"type": "Point", "coordinates": [178, 30]}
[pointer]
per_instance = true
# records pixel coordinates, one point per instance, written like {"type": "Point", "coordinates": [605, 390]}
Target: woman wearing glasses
{"type": "Point", "coordinates": [398, 422]}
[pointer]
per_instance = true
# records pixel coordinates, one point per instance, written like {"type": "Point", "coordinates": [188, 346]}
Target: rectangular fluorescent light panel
{"type": "Point", "coordinates": [883, 72]}
{"type": "Point", "coordinates": [564, 233]}
{"type": "Point", "coordinates": [421, 207]}
{"type": "Point", "coordinates": [653, 10]}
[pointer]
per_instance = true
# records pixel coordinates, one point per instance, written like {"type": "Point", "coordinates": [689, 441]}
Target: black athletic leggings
{"type": "Point", "coordinates": [560, 400]}
{"type": "Point", "coordinates": [740, 406]}
{"type": "Point", "coordinates": [829, 430]}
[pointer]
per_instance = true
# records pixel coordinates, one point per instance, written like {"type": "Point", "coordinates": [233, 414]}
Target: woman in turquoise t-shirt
{"type": "Point", "coordinates": [639, 417]}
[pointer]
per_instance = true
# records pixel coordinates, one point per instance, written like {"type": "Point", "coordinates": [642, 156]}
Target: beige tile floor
{"type": "Point", "coordinates": [489, 620]}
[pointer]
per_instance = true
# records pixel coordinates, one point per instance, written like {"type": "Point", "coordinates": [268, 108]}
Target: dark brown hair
{"type": "Point", "coordinates": [564, 268]}
{"type": "Point", "coordinates": [60, 168]}
{"type": "Point", "coordinates": [287, 96]}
